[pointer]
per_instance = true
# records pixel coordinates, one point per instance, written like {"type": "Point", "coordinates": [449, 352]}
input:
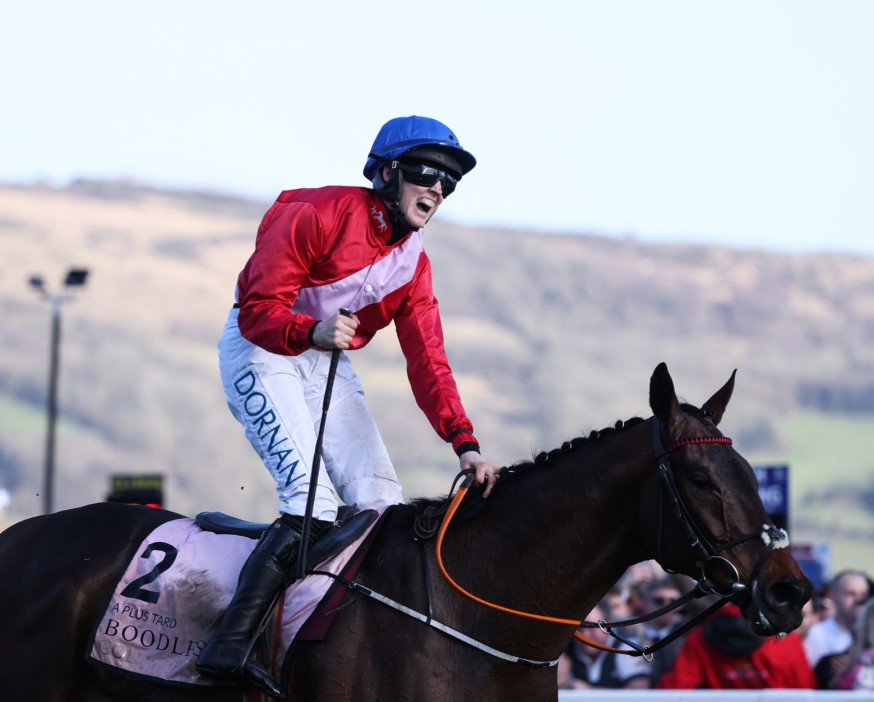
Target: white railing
{"type": "Point", "coordinates": [713, 696]}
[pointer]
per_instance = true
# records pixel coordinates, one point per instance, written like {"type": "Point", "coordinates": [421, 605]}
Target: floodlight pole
{"type": "Point", "coordinates": [76, 277]}
{"type": "Point", "coordinates": [57, 302]}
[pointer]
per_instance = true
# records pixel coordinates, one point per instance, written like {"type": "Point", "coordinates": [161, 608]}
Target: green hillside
{"type": "Point", "coordinates": [550, 336]}
{"type": "Point", "coordinates": [831, 483]}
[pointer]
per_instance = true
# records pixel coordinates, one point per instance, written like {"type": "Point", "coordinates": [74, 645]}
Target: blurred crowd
{"type": "Point", "coordinates": [833, 649]}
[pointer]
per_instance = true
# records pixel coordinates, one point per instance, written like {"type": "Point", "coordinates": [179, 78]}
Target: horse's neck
{"type": "Point", "coordinates": [576, 523]}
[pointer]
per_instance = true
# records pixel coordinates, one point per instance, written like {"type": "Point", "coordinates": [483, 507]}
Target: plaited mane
{"type": "Point", "coordinates": [474, 502]}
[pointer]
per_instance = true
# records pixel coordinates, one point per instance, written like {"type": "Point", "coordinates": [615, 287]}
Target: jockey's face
{"type": "Point", "coordinates": [418, 203]}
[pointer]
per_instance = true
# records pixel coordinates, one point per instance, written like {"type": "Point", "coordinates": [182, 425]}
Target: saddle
{"type": "Point", "coordinates": [347, 528]}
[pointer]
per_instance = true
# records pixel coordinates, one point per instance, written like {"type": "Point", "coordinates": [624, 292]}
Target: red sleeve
{"type": "Point", "coordinates": [788, 664]}
{"type": "Point", "coordinates": [688, 672]}
{"type": "Point", "coordinates": [288, 244]}
{"type": "Point", "coordinates": [420, 333]}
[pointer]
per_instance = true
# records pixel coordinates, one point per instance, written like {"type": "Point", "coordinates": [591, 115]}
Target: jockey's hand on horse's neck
{"type": "Point", "coordinates": [486, 473]}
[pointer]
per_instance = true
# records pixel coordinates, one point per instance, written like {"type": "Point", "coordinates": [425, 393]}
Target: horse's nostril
{"type": "Point", "coordinates": [786, 593]}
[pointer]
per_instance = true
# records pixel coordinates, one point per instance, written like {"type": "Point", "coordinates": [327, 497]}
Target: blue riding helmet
{"type": "Point", "coordinates": [427, 136]}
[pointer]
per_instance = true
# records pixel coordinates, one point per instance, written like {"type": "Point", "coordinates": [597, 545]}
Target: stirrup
{"type": "Point", "coordinates": [257, 676]}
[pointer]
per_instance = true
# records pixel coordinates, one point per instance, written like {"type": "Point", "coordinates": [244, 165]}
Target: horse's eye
{"type": "Point", "coordinates": [702, 483]}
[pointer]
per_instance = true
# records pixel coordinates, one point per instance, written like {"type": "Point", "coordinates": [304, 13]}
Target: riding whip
{"type": "Point", "coordinates": [317, 459]}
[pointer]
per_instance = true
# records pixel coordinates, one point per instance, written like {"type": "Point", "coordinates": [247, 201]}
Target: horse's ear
{"type": "Point", "coordinates": [662, 397]}
{"type": "Point", "coordinates": [716, 405]}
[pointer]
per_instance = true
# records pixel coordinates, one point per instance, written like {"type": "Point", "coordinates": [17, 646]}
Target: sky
{"type": "Point", "coordinates": [743, 123]}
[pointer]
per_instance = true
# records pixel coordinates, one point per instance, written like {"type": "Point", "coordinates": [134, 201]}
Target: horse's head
{"type": "Point", "coordinates": [709, 522]}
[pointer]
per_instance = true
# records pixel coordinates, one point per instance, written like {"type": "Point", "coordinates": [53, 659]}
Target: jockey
{"type": "Point", "coordinates": [317, 251]}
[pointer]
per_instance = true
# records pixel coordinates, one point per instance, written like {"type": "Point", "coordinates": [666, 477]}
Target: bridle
{"type": "Point", "coordinates": [708, 557]}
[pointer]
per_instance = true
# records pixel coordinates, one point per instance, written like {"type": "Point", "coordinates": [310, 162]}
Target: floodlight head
{"type": "Point", "coordinates": [76, 277]}
{"type": "Point", "coordinates": [37, 283]}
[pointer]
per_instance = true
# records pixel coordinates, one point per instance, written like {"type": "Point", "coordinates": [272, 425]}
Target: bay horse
{"type": "Point", "coordinates": [554, 536]}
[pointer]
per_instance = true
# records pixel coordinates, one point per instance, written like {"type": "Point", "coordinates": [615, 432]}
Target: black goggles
{"type": "Point", "coordinates": [421, 174]}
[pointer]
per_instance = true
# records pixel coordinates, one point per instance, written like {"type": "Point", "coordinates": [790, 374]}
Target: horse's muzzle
{"type": "Point", "coordinates": [775, 608]}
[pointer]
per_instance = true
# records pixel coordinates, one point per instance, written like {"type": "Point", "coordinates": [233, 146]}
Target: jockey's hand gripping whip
{"type": "Point", "coordinates": [317, 460]}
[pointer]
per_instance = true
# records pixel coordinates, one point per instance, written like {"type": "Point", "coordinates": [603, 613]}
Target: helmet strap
{"type": "Point", "coordinates": [390, 192]}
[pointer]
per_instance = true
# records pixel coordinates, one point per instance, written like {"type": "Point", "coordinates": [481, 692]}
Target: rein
{"type": "Point", "coordinates": [450, 513]}
{"type": "Point", "coordinates": [708, 558]}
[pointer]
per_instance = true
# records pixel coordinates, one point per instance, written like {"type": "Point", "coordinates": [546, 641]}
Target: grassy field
{"type": "Point", "coordinates": [21, 418]}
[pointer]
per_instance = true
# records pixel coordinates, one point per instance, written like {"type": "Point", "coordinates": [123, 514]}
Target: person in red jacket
{"type": "Point", "coordinates": [317, 252]}
{"type": "Point", "coordinates": [724, 653]}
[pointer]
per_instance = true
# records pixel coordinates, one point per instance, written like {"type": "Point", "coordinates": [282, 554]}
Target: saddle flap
{"type": "Point", "coordinates": [340, 536]}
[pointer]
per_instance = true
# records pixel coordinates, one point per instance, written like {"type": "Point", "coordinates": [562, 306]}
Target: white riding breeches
{"type": "Point", "coordinates": [279, 399]}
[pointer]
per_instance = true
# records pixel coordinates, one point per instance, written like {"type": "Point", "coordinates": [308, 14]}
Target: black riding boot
{"type": "Point", "coordinates": [267, 571]}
